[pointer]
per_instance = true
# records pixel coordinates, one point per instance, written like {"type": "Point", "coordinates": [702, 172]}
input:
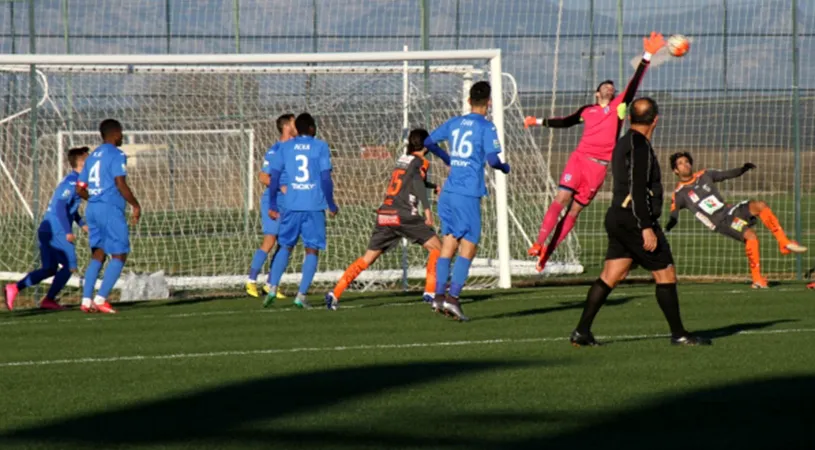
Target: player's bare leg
{"type": "Point", "coordinates": [449, 246]}
{"type": "Point", "coordinates": [332, 299]}
{"type": "Point", "coordinates": [433, 246]}
{"type": "Point", "coordinates": [751, 249]}
{"type": "Point", "coordinates": [451, 304]}
{"type": "Point", "coordinates": [763, 211]}
{"type": "Point", "coordinates": [614, 271]}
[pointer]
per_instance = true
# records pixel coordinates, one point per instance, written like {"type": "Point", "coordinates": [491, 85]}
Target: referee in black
{"type": "Point", "coordinates": [634, 235]}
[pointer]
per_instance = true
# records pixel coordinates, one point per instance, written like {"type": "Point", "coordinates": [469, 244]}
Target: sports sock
{"type": "Point", "coordinates": [309, 269]}
{"type": "Point", "coordinates": [771, 222]}
{"type": "Point", "coordinates": [257, 263]}
{"type": "Point", "coordinates": [430, 274]}
{"type": "Point", "coordinates": [753, 258]}
{"type": "Point", "coordinates": [565, 229]}
{"type": "Point", "coordinates": [668, 300]}
{"type": "Point", "coordinates": [598, 293]}
{"type": "Point", "coordinates": [59, 282]}
{"type": "Point", "coordinates": [461, 269]}
{"type": "Point", "coordinates": [274, 255]}
{"type": "Point", "coordinates": [112, 272]}
{"type": "Point", "coordinates": [91, 274]}
{"type": "Point", "coordinates": [279, 264]}
{"type": "Point", "coordinates": [550, 221]}
{"type": "Point", "coordinates": [34, 277]}
{"type": "Point", "coordinates": [351, 274]}
{"type": "Point", "coordinates": [442, 273]}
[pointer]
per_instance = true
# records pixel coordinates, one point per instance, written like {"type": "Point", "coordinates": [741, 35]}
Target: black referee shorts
{"type": "Point", "coordinates": [625, 241]}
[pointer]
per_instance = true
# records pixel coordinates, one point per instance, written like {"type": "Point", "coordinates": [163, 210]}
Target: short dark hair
{"type": "Point", "coordinates": [416, 140]}
{"type": "Point", "coordinates": [109, 126]}
{"type": "Point", "coordinates": [611, 82]}
{"type": "Point", "coordinates": [75, 153]}
{"type": "Point", "coordinates": [305, 124]}
{"type": "Point", "coordinates": [675, 157]}
{"type": "Point", "coordinates": [480, 94]}
{"type": "Point", "coordinates": [644, 111]}
{"type": "Point", "coordinates": [282, 121]}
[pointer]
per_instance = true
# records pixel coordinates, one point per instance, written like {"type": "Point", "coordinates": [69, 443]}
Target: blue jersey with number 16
{"type": "Point", "coordinates": [470, 138]}
{"type": "Point", "coordinates": [300, 161]}
{"type": "Point", "coordinates": [102, 167]}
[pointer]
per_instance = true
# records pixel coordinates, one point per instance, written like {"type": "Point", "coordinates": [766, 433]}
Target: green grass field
{"type": "Point", "coordinates": [384, 372]}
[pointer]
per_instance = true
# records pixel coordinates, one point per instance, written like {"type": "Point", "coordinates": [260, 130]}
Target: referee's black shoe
{"type": "Point", "coordinates": [690, 340]}
{"type": "Point", "coordinates": [583, 340]}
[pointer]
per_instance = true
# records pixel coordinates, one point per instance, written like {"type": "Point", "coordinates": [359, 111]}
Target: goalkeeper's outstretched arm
{"type": "Point", "coordinates": [650, 45]}
{"type": "Point", "coordinates": [556, 122]}
{"type": "Point", "coordinates": [723, 175]}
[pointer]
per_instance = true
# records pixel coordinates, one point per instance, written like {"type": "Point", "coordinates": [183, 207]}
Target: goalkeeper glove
{"type": "Point", "coordinates": [652, 44]}
{"type": "Point", "coordinates": [747, 166]}
{"type": "Point", "coordinates": [671, 223]}
{"type": "Point", "coordinates": [532, 121]}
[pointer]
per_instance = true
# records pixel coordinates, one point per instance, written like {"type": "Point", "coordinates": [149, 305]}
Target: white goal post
{"type": "Point", "coordinates": [177, 73]}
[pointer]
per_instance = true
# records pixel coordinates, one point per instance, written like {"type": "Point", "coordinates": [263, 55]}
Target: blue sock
{"type": "Point", "coordinates": [461, 270]}
{"type": "Point", "coordinates": [442, 273]}
{"type": "Point", "coordinates": [112, 272]}
{"type": "Point", "coordinates": [309, 269]}
{"type": "Point", "coordinates": [257, 264]}
{"type": "Point", "coordinates": [60, 280]}
{"type": "Point", "coordinates": [34, 277]}
{"type": "Point", "coordinates": [91, 274]}
{"type": "Point", "coordinates": [274, 256]}
{"type": "Point", "coordinates": [279, 264]}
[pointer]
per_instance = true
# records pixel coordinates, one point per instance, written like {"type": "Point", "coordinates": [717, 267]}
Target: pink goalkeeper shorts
{"type": "Point", "coordinates": [584, 176]}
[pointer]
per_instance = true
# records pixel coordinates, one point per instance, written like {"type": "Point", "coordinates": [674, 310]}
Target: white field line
{"type": "Point", "coordinates": [274, 351]}
{"type": "Point", "coordinates": [318, 306]}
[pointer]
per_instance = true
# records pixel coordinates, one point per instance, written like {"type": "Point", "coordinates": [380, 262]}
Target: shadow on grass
{"type": "Point", "coordinates": [562, 306]}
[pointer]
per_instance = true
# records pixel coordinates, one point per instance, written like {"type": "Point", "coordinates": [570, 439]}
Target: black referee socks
{"type": "Point", "coordinates": [668, 300]}
{"type": "Point", "coordinates": [598, 293]}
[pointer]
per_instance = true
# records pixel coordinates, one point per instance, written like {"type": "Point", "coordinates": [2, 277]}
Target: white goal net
{"type": "Point", "coordinates": [195, 136]}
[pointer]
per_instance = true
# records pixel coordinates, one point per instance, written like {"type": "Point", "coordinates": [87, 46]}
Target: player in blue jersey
{"type": "Point", "coordinates": [103, 182]}
{"type": "Point", "coordinates": [472, 140]}
{"type": "Point", "coordinates": [285, 126]}
{"type": "Point", "coordinates": [306, 163]}
{"type": "Point", "coordinates": [56, 237]}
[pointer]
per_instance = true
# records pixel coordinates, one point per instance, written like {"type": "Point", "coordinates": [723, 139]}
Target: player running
{"type": "Point", "coordinates": [698, 193]}
{"type": "Point", "coordinates": [56, 238]}
{"type": "Point", "coordinates": [398, 218]}
{"type": "Point", "coordinates": [586, 169]}
{"type": "Point", "coordinates": [285, 126]}
{"type": "Point", "coordinates": [472, 139]}
{"type": "Point", "coordinates": [103, 182]}
{"type": "Point", "coordinates": [306, 163]}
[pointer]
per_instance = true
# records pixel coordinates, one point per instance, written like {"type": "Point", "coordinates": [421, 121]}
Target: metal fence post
{"type": "Point", "coordinates": [796, 133]}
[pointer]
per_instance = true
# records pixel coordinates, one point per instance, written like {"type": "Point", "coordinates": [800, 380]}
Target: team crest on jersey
{"type": "Point", "coordinates": [567, 177]}
{"type": "Point", "coordinates": [606, 110]}
{"type": "Point", "coordinates": [706, 187]}
{"type": "Point", "coordinates": [738, 224]}
{"type": "Point", "coordinates": [693, 197]}
{"type": "Point", "coordinates": [66, 193]}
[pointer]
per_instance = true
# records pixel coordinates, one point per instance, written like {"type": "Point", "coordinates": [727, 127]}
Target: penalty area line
{"type": "Point", "coordinates": [345, 348]}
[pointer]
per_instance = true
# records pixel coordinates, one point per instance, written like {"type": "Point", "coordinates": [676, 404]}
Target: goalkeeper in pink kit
{"type": "Point", "coordinates": [585, 171]}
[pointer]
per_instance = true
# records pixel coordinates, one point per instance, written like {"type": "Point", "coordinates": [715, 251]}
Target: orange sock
{"type": "Point", "coordinates": [771, 222]}
{"type": "Point", "coordinates": [430, 279]}
{"type": "Point", "coordinates": [351, 274]}
{"type": "Point", "coordinates": [753, 258]}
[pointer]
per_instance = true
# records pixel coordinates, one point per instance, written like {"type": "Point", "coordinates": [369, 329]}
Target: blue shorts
{"type": "Point", "coordinates": [310, 225]}
{"type": "Point", "coordinates": [55, 250]}
{"type": "Point", "coordinates": [460, 216]}
{"type": "Point", "coordinates": [107, 229]}
{"type": "Point", "coordinates": [271, 227]}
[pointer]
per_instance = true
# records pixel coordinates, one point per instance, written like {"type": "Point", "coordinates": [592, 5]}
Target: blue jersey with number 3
{"type": "Point", "coordinates": [300, 161]}
{"type": "Point", "coordinates": [470, 138]}
{"type": "Point", "coordinates": [102, 167]}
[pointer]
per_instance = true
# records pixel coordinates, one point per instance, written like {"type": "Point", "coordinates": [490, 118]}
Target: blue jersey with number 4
{"type": "Point", "coordinates": [102, 167]}
{"type": "Point", "coordinates": [300, 161]}
{"type": "Point", "coordinates": [470, 138]}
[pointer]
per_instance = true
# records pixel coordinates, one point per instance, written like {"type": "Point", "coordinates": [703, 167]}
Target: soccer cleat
{"type": "Point", "coordinates": [269, 300]}
{"type": "Point", "coordinates": [578, 339]}
{"type": "Point", "coordinates": [428, 297]}
{"type": "Point", "coordinates": [535, 250]}
{"type": "Point", "coordinates": [252, 289]}
{"type": "Point", "coordinates": [47, 303]}
{"type": "Point", "coordinates": [542, 260]}
{"type": "Point", "coordinates": [690, 340]}
{"type": "Point", "coordinates": [811, 285]}
{"type": "Point", "coordinates": [266, 289]}
{"type": "Point", "coordinates": [453, 309]}
{"type": "Point", "coordinates": [302, 303]}
{"type": "Point", "coordinates": [104, 308]}
{"type": "Point", "coordinates": [793, 247]}
{"type": "Point", "coordinates": [11, 295]}
{"type": "Point", "coordinates": [760, 284]}
{"type": "Point", "coordinates": [331, 302]}
{"type": "Point", "coordinates": [437, 304]}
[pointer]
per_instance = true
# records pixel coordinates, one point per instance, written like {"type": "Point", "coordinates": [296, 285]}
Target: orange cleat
{"type": "Point", "coordinates": [761, 283]}
{"type": "Point", "coordinates": [792, 247]}
{"type": "Point", "coordinates": [105, 308]}
{"type": "Point", "coordinates": [535, 250]}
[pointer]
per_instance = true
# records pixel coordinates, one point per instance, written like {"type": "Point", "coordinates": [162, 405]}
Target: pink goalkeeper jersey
{"type": "Point", "coordinates": [601, 125]}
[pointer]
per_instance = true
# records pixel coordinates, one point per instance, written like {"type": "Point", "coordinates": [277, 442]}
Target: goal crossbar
{"type": "Point", "coordinates": [254, 69]}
